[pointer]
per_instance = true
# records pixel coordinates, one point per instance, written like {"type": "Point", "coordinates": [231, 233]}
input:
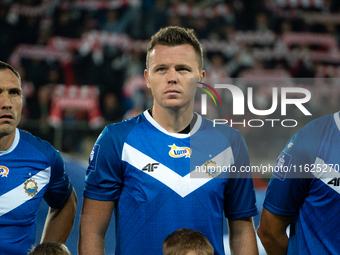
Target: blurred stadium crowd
{"type": "Point", "coordinates": [84, 60]}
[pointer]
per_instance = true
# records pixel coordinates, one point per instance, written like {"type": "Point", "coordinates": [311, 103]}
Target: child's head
{"type": "Point", "coordinates": [187, 242]}
{"type": "Point", "coordinates": [50, 248]}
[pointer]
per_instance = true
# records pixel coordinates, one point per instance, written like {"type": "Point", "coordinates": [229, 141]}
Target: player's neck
{"type": "Point", "coordinates": [6, 141]}
{"type": "Point", "coordinates": [172, 120]}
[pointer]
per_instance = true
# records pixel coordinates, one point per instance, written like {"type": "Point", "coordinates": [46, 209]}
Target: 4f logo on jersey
{"type": "Point", "coordinates": [3, 171]}
{"type": "Point", "coordinates": [150, 167]}
{"type": "Point", "coordinates": [335, 182]}
{"type": "Point", "coordinates": [178, 152]}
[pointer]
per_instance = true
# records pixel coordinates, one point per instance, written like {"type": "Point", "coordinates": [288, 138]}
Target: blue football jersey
{"type": "Point", "coordinates": [149, 171]}
{"type": "Point", "coordinates": [30, 170]}
{"type": "Point", "coordinates": [309, 191]}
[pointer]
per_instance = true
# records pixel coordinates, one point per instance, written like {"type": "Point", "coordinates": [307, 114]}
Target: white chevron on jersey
{"type": "Point", "coordinates": [337, 119]}
{"type": "Point", "coordinates": [183, 186]}
{"type": "Point", "coordinates": [8, 203]}
{"type": "Point", "coordinates": [326, 174]}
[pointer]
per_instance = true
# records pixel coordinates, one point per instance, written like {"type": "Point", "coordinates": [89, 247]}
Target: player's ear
{"type": "Point", "coordinates": [146, 75]}
{"type": "Point", "coordinates": [202, 75]}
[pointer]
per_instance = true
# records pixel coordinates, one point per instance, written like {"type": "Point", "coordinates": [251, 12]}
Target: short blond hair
{"type": "Point", "coordinates": [50, 248]}
{"type": "Point", "coordinates": [185, 240]}
{"type": "Point", "coordinates": [174, 36]}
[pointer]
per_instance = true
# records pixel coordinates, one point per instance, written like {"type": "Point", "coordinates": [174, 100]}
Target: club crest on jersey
{"type": "Point", "coordinates": [211, 168]}
{"type": "Point", "coordinates": [178, 152]}
{"type": "Point", "coordinates": [31, 187]}
{"type": "Point", "coordinates": [4, 171]}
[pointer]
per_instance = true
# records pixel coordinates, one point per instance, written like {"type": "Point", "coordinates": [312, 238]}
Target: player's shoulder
{"type": "Point", "coordinates": [126, 125]}
{"type": "Point", "coordinates": [35, 141]}
{"type": "Point", "coordinates": [231, 134]}
{"type": "Point", "coordinates": [225, 129]}
{"type": "Point", "coordinates": [311, 136]}
{"type": "Point", "coordinates": [123, 128]}
{"type": "Point", "coordinates": [318, 127]}
{"type": "Point", "coordinates": [37, 146]}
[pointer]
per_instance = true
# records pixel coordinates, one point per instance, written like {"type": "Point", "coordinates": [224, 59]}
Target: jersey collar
{"type": "Point", "coordinates": [14, 144]}
{"type": "Point", "coordinates": [177, 135]}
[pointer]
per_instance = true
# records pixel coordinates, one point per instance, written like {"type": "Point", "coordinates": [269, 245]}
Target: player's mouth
{"type": "Point", "coordinates": [6, 116]}
{"type": "Point", "coordinates": [172, 92]}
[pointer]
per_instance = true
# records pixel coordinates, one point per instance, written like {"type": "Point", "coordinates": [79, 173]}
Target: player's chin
{"type": "Point", "coordinates": [175, 104]}
{"type": "Point", "coordinates": [6, 129]}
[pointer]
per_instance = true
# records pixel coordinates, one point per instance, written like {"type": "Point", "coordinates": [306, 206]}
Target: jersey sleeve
{"type": "Point", "coordinates": [104, 176]}
{"type": "Point", "coordinates": [60, 187]}
{"type": "Point", "coordinates": [240, 193]}
{"type": "Point", "coordinates": [289, 184]}
{"type": "Point", "coordinates": [290, 181]}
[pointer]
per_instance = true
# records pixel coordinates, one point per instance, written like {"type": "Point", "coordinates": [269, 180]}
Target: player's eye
{"type": "Point", "coordinates": [183, 69]}
{"type": "Point", "coordinates": [15, 92]}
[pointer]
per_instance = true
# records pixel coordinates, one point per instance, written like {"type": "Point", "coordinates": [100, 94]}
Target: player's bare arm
{"type": "Point", "coordinates": [95, 219]}
{"type": "Point", "coordinates": [59, 222]}
{"type": "Point", "coordinates": [272, 232]}
{"type": "Point", "coordinates": [242, 237]}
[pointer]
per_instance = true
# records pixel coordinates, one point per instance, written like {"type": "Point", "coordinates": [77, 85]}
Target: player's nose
{"type": "Point", "coordinates": [172, 76]}
{"type": "Point", "coordinates": [5, 101]}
